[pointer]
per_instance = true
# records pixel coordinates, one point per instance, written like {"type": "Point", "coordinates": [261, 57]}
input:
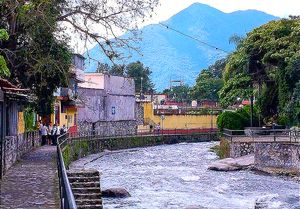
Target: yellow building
{"type": "Point", "coordinates": [64, 113]}
{"type": "Point", "coordinates": [65, 107]}
{"type": "Point", "coordinates": [178, 121]}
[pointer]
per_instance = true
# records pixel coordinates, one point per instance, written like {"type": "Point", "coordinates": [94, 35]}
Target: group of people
{"type": "Point", "coordinates": [50, 133]}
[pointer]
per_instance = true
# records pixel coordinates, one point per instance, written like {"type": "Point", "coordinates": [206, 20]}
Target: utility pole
{"type": "Point", "coordinates": [251, 110]}
{"type": "Point", "coordinates": [141, 90]}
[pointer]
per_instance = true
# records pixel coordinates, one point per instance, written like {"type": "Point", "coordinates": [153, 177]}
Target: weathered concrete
{"type": "Point", "coordinates": [278, 157]}
{"type": "Point", "coordinates": [32, 182]}
{"type": "Point", "coordinates": [230, 164]}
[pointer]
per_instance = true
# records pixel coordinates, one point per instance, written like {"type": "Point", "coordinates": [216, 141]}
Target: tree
{"type": "Point", "coordinates": [86, 17]}
{"type": "Point", "coordinates": [141, 76]}
{"type": "Point", "coordinates": [37, 52]}
{"type": "Point", "coordinates": [270, 56]}
{"type": "Point", "coordinates": [209, 82]}
{"type": "Point", "coordinates": [179, 93]}
{"type": "Point", "coordinates": [4, 71]}
{"type": "Point", "coordinates": [37, 57]}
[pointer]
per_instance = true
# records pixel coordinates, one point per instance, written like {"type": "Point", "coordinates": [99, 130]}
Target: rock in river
{"type": "Point", "coordinates": [233, 164]}
{"type": "Point", "coordinates": [115, 192]}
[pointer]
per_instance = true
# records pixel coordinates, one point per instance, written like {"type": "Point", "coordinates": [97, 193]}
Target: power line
{"type": "Point", "coordinates": [194, 38]}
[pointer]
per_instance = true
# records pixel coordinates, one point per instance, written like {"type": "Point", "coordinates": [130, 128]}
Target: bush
{"type": "Point", "coordinates": [231, 120]}
{"type": "Point", "coordinates": [245, 113]}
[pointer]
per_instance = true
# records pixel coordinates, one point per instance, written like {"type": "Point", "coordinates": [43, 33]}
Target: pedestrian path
{"type": "Point", "coordinates": [32, 182]}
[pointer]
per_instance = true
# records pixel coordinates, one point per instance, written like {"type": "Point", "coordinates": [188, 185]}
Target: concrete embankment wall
{"type": "Point", "coordinates": [82, 147]}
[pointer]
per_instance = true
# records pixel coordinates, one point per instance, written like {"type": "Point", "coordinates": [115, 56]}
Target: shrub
{"type": "Point", "coordinates": [231, 120]}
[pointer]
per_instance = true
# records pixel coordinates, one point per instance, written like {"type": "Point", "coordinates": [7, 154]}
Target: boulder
{"type": "Point", "coordinates": [115, 192]}
{"type": "Point", "coordinates": [233, 164]}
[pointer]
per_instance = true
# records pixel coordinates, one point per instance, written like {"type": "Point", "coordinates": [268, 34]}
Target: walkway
{"type": "Point", "coordinates": [32, 182]}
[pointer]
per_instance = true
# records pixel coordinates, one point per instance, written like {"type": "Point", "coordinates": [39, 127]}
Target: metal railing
{"type": "Point", "coordinates": [263, 135]}
{"type": "Point", "coordinates": [140, 133]}
{"type": "Point", "coordinates": [67, 200]}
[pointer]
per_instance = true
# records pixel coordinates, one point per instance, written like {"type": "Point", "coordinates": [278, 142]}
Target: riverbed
{"type": "Point", "coordinates": [176, 177]}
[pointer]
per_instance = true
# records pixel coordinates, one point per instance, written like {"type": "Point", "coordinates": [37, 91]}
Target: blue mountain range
{"type": "Point", "coordinates": [171, 55]}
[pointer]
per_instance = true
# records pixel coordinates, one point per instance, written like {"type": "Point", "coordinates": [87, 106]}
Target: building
{"type": "Point", "coordinates": [65, 106]}
{"type": "Point", "coordinates": [107, 105]}
{"type": "Point", "coordinates": [13, 140]}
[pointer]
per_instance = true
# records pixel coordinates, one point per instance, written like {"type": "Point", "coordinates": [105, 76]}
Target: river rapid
{"type": "Point", "coordinates": [176, 177]}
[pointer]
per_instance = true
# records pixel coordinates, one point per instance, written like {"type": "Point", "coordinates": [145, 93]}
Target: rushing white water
{"type": "Point", "coordinates": [176, 177]}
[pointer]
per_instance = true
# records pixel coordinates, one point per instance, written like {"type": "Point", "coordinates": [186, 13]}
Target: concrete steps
{"type": "Point", "coordinates": [86, 189]}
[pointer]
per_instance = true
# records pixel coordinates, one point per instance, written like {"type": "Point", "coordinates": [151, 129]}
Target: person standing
{"type": "Point", "coordinates": [53, 134]}
{"type": "Point", "coordinates": [50, 128]}
{"type": "Point", "coordinates": [44, 133]}
{"type": "Point", "coordinates": [57, 134]}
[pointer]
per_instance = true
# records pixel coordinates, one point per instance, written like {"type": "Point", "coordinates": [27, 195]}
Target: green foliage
{"type": "Point", "coordinates": [4, 71]}
{"type": "Point", "coordinates": [231, 120]}
{"type": "Point", "coordinates": [179, 93]}
{"type": "Point", "coordinates": [141, 76]}
{"type": "Point", "coordinates": [209, 82]}
{"type": "Point", "coordinates": [268, 58]}
{"type": "Point", "coordinates": [238, 86]}
{"type": "Point", "coordinates": [39, 56]}
{"type": "Point", "coordinates": [29, 118]}
{"type": "Point", "coordinates": [207, 86]}
{"type": "Point", "coordinates": [245, 113]}
{"type": "Point", "coordinates": [292, 109]}
{"type": "Point", "coordinates": [67, 155]}
{"type": "Point", "coordinates": [3, 35]}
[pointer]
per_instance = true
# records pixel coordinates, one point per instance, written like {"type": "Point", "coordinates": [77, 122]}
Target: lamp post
{"type": "Point", "coordinates": [141, 90]}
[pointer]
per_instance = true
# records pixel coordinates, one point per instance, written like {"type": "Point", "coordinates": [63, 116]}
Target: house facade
{"type": "Point", "coordinates": [65, 106]}
{"type": "Point", "coordinates": [14, 141]}
{"type": "Point", "coordinates": [108, 105]}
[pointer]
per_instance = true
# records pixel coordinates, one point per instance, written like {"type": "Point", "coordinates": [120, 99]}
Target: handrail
{"type": "Point", "coordinates": [278, 135]}
{"type": "Point", "coordinates": [66, 195]}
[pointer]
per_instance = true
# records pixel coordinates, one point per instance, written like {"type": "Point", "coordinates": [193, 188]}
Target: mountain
{"type": "Point", "coordinates": [171, 55]}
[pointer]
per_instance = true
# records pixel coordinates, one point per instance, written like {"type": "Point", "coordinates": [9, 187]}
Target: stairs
{"type": "Point", "coordinates": [86, 188]}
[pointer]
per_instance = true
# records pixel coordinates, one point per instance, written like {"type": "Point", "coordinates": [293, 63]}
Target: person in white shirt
{"type": "Point", "coordinates": [44, 133]}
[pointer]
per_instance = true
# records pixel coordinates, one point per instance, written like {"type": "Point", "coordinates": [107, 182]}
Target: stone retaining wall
{"type": "Point", "coordinates": [14, 147]}
{"type": "Point", "coordinates": [109, 128]}
{"type": "Point", "coordinates": [277, 155]}
{"type": "Point", "coordinates": [82, 147]}
{"type": "Point", "coordinates": [238, 149]}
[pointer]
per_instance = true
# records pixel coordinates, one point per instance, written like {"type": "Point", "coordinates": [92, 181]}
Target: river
{"type": "Point", "coordinates": [176, 177]}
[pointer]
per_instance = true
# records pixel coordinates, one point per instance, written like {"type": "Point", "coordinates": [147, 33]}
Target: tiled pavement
{"type": "Point", "coordinates": [32, 182]}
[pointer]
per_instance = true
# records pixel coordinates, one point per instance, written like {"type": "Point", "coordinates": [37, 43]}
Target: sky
{"type": "Point", "coordinates": [168, 8]}
{"type": "Point", "coordinates": [281, 8]}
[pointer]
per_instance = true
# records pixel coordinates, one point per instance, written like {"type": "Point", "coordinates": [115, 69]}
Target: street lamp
{"type": "Point", "coordinates": [141, 90]}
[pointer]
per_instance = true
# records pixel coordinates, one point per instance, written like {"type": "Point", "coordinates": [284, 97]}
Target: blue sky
{"type": "Point", "coordinates": [281, 8]}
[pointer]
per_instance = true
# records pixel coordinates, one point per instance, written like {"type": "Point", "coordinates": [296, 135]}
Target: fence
{"type": "Point", "coordinates": [67, 200]}
{"type": "Point", "coordinates": [142, 132]}
{"type": "Point", "coordinates": [262, 135]}
{"type": "Point", "coordinates": [13, 147]}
